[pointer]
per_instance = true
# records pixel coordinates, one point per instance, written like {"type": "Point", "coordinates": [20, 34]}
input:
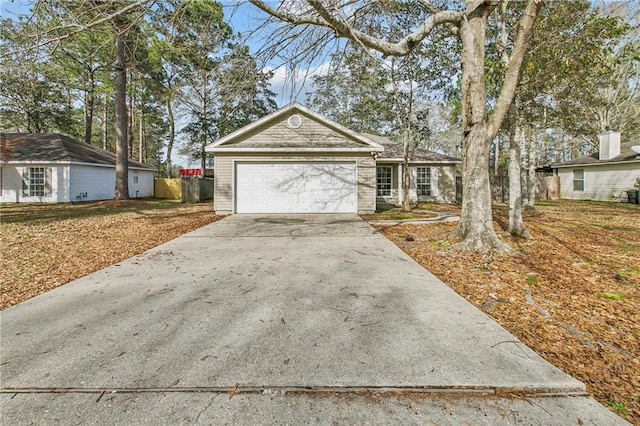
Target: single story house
{"type": "Point", "coordinates": [52, 168]}
{"type": "Point", "coordinates": [296, 161]}
{"type": "Point", "coordinates": [602, 175]}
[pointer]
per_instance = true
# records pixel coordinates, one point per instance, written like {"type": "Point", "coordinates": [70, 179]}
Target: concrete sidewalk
{"type": "Point", "coordinates": [278, 319]}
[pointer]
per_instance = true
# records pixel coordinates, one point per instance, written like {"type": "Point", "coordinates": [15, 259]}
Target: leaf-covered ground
{"type": "Point", "coordinates": [45, 246]}
{"type": "Point", "coordinates": [572, 293]}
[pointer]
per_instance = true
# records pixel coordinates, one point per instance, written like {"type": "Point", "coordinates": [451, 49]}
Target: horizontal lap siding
{"type": "Point", "coordinates": [274, 135]}
{"type": "Point", "coordinates": [224, 183]}
{"type": "Point", "coordinates": [97, 183]}
{"type": "Point", "coordinates": [600, 182]}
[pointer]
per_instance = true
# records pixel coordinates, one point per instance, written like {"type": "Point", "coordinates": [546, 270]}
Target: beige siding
{"type": "Point", "coordinates": [224, 182]}
{"type": "Point", "coordinates": [601, 182]}
{"type": "Point", "coordinates": [310, 134]}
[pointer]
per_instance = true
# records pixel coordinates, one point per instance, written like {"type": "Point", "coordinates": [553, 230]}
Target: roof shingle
{"type": "Point", "coordinates": [53, 147]}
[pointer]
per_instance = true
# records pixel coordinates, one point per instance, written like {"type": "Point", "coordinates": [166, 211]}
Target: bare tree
{"type": "Point", "coordinates": [479, 128]}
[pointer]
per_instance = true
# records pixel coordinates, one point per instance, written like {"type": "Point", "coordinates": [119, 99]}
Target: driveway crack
{"type": "Point", "coordinates": [205, 408]}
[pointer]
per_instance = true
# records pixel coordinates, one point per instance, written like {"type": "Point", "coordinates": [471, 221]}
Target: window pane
{"type": "Point", "coordinates": [37, 182]}
{"type": "Point", "coordinates": [384, 181]}
{"type": "Point", "coordinates": [423, 181]}
{"type": "Point", "coordinates": [578, 180]}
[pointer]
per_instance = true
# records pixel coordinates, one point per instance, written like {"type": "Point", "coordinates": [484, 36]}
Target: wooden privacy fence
{"type": "Point", "coordinates": [187, 189]}
{"type": "Point", "coordinates": [547, 188]}
{"type": "Point", "coordinates": [167, 188]}
{"type": "Point", "coordinates": [195, 190]}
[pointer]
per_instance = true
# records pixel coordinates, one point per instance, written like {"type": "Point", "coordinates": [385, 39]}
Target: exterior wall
{"type": "Point", "coordinates": [601, 182]}
{"type": "Point", "coordinates": [224, 182]}
{"type": "Point", "coordinates": [88, 183]}
{"type": "Point", "coordinates": [144, 187]}
{"type": "Point", "coordinates": [91, 183]}
{"type": "Point", "coordinates": [443, 183]}
{"type": "Point", "coordinates": [278, 134]}
{"type": "Point", "coordinates": [12, 184]}
{"type": "Point", "coordinates": [70, 183]}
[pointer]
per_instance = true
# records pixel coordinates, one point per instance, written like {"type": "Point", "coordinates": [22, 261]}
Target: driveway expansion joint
{"type": "Point", "coordinates": [318, 390]}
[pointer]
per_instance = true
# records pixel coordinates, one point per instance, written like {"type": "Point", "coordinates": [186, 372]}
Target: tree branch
{"type": "Point", "coordinates": [512, 73]}
{"type": "Point", "coordinates": [327, 19]}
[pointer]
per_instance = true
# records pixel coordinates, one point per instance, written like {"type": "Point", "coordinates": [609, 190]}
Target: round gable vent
{"type": "Point", "coordinates": [294, 121]}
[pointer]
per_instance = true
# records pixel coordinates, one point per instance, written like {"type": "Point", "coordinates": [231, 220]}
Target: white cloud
{"type": "Point", "coordinates": [293, 84]}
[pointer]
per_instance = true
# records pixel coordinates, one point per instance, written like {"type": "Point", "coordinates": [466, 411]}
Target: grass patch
{"type": "Point", "coordinates": [532, 280]}
{"type": "Point", "coordinates": [613, 296]}
{"type": "Point", "coordinates": [617, 406]}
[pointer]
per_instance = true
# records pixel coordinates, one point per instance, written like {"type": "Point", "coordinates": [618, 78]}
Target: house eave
{"type": "Point", "coordinates": [605, 163]}
{"type": "Point", "coordinates": [400, 160]}
{"type": "Point", "coordinates": [74, 163]}
{"type": "Point", "coordinates": [286, 109]}
{"type": "Point", "coordinates": [288, 150]}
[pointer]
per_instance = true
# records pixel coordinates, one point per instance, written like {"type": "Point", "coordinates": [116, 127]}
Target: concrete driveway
{"type": "Point", "coordinates": [273, 319]}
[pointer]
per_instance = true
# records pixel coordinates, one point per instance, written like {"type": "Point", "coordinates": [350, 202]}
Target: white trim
{"type": "Point", "coordinates": [76, 163]}
{"type": "Point", "coordinates": [606, 163]}
{"type": "Point", "coordinates": [231, 149]}
{"type": "Point", "coordinates": [294, 106]}
{"type": "Point", "coordinates": [412, 162]}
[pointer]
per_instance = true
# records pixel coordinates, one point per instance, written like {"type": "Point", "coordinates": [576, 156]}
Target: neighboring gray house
{"type": "Point", "coordinates": [601, 175]}
{"type": "Point", "coordinates": [296, 161]}
{"type": "Point", "coordinates": [51, 168]}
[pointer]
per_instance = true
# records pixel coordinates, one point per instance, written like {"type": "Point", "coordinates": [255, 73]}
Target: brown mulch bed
{"type": "Point", "coordinates": [572, 293]}
{"type": "Point", "coordinates": [45, 246]}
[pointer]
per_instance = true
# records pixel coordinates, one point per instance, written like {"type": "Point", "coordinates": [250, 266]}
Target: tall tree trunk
{"type": "Point", "coordinates": [406, 204]}
{"type": "Point", "coordinates": [516, 223]}
{"type": "Point", "coordinates": [496, 160]}
{"type": "Point", "coordinates": [131, 116]}
{"type": "Point", "coordinates": [88, 109]}
{"type": "Point", "coordinates": [172, 135]}
{"type": "Point", "coordinates": [141, 136]}
{"type": "Point", "coordinates": [531, 179]}
{"type": "Point", "coordinates": [476, 220]}
{"type": "Point", "coordinates": [105, 134]}
{"type": "Point", "coordinates": [205, 128]}
{"type": "Point", "coordinates": [122, 159]}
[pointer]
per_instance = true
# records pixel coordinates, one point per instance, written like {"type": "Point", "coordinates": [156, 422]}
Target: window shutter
{"type": "Point", "coordinates": [25, 182]}
{"type": "Point", "coordinates": [47, 182]}
{"type": "Point", "coordinates": [434, 181]}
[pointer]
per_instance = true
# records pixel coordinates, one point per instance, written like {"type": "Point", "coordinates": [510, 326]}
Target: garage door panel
{"type": "Point", "coordinates": [296, 187]}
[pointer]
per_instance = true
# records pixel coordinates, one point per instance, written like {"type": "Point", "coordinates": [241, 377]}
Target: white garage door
{"type": "Point", "coordinates": [284, 187]}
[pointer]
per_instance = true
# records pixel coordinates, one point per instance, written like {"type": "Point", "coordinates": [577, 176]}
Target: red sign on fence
{"type": "Point", "coordinates": [190, 172]}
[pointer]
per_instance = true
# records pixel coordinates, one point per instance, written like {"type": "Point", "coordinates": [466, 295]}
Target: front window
{"type": "Point", "coordinates": [36, 182]}
{"type": "Point", "coordinates": [135, 176]}
{"type": "Point", "coordinates": [384, 181]}
{"type": "Point", "coordinates": [578, 180]}
{"type": "Point", "coordinates": [423, 181]}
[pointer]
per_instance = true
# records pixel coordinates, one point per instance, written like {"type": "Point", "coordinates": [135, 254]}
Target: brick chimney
{"type": "Point", "coordinates": [609, 144]}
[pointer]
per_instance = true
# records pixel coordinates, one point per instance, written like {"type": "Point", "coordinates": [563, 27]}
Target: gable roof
{"type": "Point", "coordinates": [393, 151]}
{"type": "Point", "coordinates": [626, 155]}
{"type": "Point", "coordinates": [344, 140]}
{"type": "Point", "coordinates": [53, 147]}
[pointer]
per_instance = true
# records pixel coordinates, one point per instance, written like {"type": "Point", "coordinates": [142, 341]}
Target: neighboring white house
{"type": "Point", "coordinates": [601, 175]}
{"type": "Point", "coordinates": [51, 168]}
{"type": "Point", "coordinates": [297, 161]}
